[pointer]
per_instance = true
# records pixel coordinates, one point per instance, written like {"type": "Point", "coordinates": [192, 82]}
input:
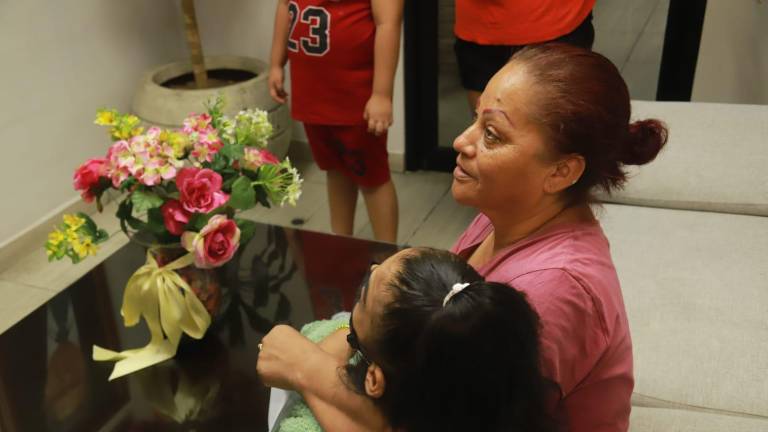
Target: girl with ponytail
{"type": "Point", "coordinates": [432, 347]}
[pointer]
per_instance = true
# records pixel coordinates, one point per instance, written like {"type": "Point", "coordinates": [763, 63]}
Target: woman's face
{"type": "Point", "coordinates": [503, 159]}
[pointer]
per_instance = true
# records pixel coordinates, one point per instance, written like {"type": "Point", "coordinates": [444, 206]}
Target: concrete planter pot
{"type": "Point", "coordinates": [164, 106]}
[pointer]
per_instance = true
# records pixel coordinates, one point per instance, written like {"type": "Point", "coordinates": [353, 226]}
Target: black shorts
{"type": "Point", "coordinates": [478, 63]}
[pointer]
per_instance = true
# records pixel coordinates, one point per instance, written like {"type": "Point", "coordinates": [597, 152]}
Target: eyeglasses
{"type": "Point", "coordinates": [354, 342]}
{"type": "Point", "coordinates": [352, 338]}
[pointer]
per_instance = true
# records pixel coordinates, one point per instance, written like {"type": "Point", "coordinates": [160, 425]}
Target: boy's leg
{"type": "Point", "coordinates": [381, 203]}
{"type": "Point", "coordinates": [342, 200]}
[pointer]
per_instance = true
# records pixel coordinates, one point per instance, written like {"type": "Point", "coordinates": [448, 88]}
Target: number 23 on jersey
{"type": "Point", "coordinates": [319, 21]}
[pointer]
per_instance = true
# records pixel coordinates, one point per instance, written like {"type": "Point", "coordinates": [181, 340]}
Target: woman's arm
{"type": "Point", "coordinates": [288, 360]}
{"type": "Point", "coordinates": [330, 416]}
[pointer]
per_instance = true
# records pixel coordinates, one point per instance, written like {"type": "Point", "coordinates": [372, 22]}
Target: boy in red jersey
{"type": "Point", "coordinates": [343, 57]}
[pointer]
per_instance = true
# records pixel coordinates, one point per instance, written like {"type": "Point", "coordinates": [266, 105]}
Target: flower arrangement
{"type": "Point", "coordinates": [180, 188]}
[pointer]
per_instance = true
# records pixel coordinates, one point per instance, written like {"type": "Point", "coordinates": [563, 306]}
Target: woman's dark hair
{"type": "Point", "coordinates": [583, 105]}
{"type": "Point", "coordinates": [471, 365]}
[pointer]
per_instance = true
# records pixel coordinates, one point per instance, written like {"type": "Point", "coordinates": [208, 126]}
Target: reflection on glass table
{"type": "Point", "coordinates": [48, 381]}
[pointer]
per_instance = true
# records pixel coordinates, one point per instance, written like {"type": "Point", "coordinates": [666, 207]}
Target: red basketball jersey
{"type": "Point", "coordinates": [330, 48]}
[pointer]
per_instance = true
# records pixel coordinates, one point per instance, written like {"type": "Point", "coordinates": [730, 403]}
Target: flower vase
{"type": "Point", "coordinates": [203, 282]}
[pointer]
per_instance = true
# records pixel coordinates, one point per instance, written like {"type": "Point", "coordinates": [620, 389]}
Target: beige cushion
{"type": "Point", "coordinates": [716, 159]}
{"type": "Point", "coordinates": [696, 290]}
{"type": "Point", "coordinates": [672, 420]}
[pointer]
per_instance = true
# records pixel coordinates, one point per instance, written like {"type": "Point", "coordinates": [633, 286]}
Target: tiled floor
{"type": "Point", "coordinates": [428, 214]}
{"type": "Point", "coordinates": [428, 217]}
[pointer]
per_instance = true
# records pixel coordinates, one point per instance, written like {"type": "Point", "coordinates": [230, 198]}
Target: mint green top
{"type": "Point", "coordinates": [295, 415]}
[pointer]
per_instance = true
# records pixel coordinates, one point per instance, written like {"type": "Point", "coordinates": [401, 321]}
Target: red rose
{"type": "Point", "coordinates": [215, 244]}
{"type": "Point", "coordinates": [87, 175]}
{"type": "Point", "coordinates": [175, 217]}
{"type": "Point", "coordinates": [200, 190]}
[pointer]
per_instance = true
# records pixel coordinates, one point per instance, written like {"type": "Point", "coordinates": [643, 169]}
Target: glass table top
{"type": "Point", "coordinates": [48, 381]}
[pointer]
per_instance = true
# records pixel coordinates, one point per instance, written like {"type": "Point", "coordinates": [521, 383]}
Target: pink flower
{"type": "Point", "coordinates": [196, 123]}
{"type": "Point", "coordinates": [205, 144]}
{"type": "Point", "coordinates": [215, 244]}
{"type": "Point", "coordinates": [121, 161]}
{"type": "Point", "coordinates": [200, 189]}
{"type": "Point", "coordinates": [255, 157]}
{"type": "Point", "coordinates": [87, 176]}
{"type": "Point", "coordinates": [175, 217]}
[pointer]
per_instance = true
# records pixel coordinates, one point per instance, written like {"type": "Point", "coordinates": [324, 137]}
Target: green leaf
{"type": "Point", "coordinates": [262, 198]}
{"type": "Point", "coordinates": [101, 236]}
{"type": "Point", "coordinates": [247, 230]}
{"type": "Point", "coordinates": [137, 224]}
{"type": "Point", "coordinates": [219, 162]}
{"type": "Point", "coordinates": [90, 226]}
{"type": "Point", "coordinates": [199, 220]}
{"type": "Point", "coordinates": [143, 200]}
{"type": "Point", "coordinates": [233, 151]}
{"type": "Point", "coordinates": [125, 209]}
{"type": "Point", "coordinates": [243, 196]}
{"type": "Point", "coordinates": [155, 222]}
{"type": "Point", "coordinates": [227, 185]}
{"type": "Point", "coordinates": [129, 183]}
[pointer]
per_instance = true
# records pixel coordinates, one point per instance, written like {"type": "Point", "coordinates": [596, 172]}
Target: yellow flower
{"type": "Point", "coordinates": [79, 248]}
{"type": "Point", "coordinates": [105, 117]}
{"type": "Point", "coordinates": [132, 120]}
{"type": "Point", "coordinates": [179, 143]}
{"type": "Point", "coordinates": [73, 222]}
{"type": "Point", "coordinates": [55, 237]}
{"type": "Point", "coordinates": [72, 236]}
{"type": "Point", "coordinates": [85, 247]}
{"type": "Point", "coordinates": [137, 131]}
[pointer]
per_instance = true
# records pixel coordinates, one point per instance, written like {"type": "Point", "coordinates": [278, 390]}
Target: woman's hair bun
{"type": "Point", "coordinates": [644, 141]}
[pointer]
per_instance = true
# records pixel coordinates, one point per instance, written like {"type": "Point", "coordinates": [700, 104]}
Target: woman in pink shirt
{"type": "Point", "coordinates": [552, 126]}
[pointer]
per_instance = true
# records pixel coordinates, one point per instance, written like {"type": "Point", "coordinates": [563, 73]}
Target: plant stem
{"type": "Point", "coordinates": [193, 41]}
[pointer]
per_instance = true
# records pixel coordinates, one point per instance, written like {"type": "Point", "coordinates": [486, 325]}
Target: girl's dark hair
{"type": "Point", "coordinates": [472, 365]}
{"type": "Point", "coordinates": [583, 105]}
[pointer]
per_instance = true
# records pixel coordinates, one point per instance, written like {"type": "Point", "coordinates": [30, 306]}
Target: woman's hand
{"type": "Point", "coordinates": [284, 356]}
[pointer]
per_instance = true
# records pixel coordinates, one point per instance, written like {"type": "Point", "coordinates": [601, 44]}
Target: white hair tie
{"type": "Point", "coordinates": [457, 288]}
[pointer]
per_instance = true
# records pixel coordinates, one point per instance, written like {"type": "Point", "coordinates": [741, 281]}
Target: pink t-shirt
{"type": "Point", "coordinates": [568, 276]}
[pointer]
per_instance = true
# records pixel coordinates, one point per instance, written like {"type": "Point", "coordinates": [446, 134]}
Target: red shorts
{"type": "Point", "coordinates": [352, 150]}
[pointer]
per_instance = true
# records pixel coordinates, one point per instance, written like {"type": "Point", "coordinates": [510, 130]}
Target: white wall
{"type": "Point", "coordinates": [63, 60]}
{"type": "Point", "coordinates": [60, 62]}
{"type": "Point", "coordinates": [244, 27]}
{"type": "Point", "coordinates": [733, 57]}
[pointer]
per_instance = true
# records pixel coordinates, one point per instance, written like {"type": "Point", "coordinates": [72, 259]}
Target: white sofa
{"type": "Point", "coordinates": [689, 237]}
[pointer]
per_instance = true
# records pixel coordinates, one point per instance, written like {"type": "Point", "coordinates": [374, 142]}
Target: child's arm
{"type": "Point", "coordinates": [388, 15]}
{"type": "Point", "coordinates": [279, 55]}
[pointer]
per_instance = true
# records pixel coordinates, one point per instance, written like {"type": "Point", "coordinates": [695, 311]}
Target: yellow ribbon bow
{"type": "Point", "coordinates": [169, 307]}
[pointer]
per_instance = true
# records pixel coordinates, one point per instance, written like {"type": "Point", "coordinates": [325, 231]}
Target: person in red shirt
{"type": "Point", "coordinates": [343, 55]}
{"type": "Point", "coordinates": [489, 32]}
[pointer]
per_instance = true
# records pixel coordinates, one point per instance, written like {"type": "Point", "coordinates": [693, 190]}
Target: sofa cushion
{"type": "Point", "coordinates": [673, 420]}
{"type": "Point", "coordinates": [695, 286]}
{"type": "Point", "coordinates": [715, 159]}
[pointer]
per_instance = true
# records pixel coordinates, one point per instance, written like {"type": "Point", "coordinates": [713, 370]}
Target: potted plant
{"type": "Point", "coordinates": [182, 192]}
{"type": "Point", "coordinates": [168, 93]}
